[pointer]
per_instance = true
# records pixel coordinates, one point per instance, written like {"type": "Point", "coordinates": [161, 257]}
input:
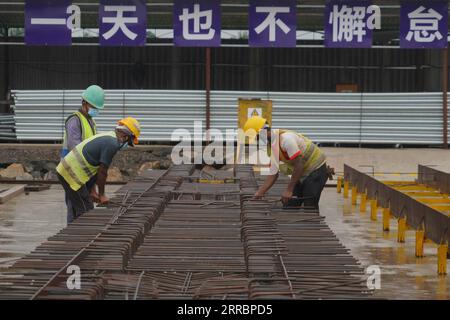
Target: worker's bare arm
{"type": "Point", "coordinates": [268, 183]}
{"type": "Point", "coordinates": [296, 175]}
{"type": "Point", "coordinates": [101, 181]}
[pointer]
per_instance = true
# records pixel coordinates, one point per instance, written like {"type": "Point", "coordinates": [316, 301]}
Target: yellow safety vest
{"type": "Point", "coordinates": [74, 167]}
{"type": "Point", "coordinates": [313, 156]}
{"type": "Point", "coordinates": [87, 130]}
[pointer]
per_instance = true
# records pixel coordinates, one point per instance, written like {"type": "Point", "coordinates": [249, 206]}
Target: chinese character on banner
{"type": "Point", "coordinates": [272, 23]}
{"type": "Point", "coordinates": [47, 22]}
{"type": "Point", "coordinates": [351, 23]}
{"type": "Point", "coordinates": [123, 22]}
{"type": "Point", "coordinates": [196, 23]}
{"type": "Point", "coordinates": [423, 24]}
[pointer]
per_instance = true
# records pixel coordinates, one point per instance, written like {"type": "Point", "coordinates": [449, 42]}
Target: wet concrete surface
{"type": "Point", "coordinates": [28, 220]}
{"type": "Point", "coordinates": [387, 160]}
{"type": "Point", "coordinates": [403, 276]}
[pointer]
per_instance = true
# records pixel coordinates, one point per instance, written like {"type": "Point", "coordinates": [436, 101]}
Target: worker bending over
{"type": "Point", "coordinates": [301, 159]}
{"type": "Point", "coordinates": [91, 158]}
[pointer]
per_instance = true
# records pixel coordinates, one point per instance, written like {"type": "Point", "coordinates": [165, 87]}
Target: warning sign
{"type": "Point", "coordinates": [254, 112]}
{"type": "Point", "coordinates": [254, 107]}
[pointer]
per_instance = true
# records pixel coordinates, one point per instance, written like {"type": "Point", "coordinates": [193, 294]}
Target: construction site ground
{"type": "Point", "coordinates": [27, 220]}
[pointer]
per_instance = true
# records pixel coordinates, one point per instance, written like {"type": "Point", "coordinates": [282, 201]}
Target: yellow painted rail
{"type": "Point", "coordinates": [379, 194]}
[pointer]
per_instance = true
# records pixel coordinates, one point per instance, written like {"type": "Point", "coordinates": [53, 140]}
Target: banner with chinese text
{"type": "Point", "coordinates": [123, 22]}
{"type": "Point", "coordinates": [423, 24]}
{"type": "Point", "coordinates": [272, 23]}
{"type": "Point", "coordinates": [196, 23]}
{"type": "Point", "coordinates": [46, 22]}
{"type": "Point", "coordinates": [350, 23]}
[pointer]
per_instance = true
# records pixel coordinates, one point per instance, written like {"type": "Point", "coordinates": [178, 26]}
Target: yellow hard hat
{"type": "Point", "coordinates": [252, 127]}
{"type": "Point", "coordinates": [133, 125]}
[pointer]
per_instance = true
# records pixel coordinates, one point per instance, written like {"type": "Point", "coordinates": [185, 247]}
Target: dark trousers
{"type": "Point", "coordinates": [70, 209]}
{"type": "Point", "coordinates": [78, 202]}
{"type": "Point", "coordinates": [308, 192]}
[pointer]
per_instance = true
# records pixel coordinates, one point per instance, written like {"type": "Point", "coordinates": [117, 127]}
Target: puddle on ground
{"type": "Point", "coordinates": [28, 220]}
{"type": "Point", "coordinates": [403, 276]}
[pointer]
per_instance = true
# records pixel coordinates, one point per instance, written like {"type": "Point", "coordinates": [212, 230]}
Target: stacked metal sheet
{"type": "Point", "coordinates": [7, 127]}
{"type": "Point", "coordinates": [366, 118]}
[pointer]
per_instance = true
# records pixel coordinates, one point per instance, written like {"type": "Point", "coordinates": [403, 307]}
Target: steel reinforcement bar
{"type": "Point", "coordinates": [191, 234]}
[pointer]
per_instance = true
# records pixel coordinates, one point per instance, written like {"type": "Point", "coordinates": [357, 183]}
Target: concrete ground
{"type": "Point", "coordinates": [27, 220]}
{"type": "Point", "coordinates": [388, 160]}
{"type": "Point", "coordinates": [403, 276]}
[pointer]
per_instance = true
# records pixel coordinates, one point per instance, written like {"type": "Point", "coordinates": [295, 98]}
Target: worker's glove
{"type": "Point", "coordinates": [286, 196]}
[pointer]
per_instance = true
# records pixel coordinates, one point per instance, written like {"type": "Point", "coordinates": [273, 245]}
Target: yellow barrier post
{"type": "Point", "coordinates": [420, 239]}
{"type": "Point", "coordinates": [346, 186]}
{"type": "Point", "coordinates": [386, 219]}
{"type": "Point", "coordinates": [354, 195]}
{"type": "Point", "coordinates": [362, 206]}
{"type": "Point", "coordinates": [442, 259]}
{"type": "Point", "coordinates": [339, 185]}
{"type": "Point", "coordinates": [401, 230]}
{"type": "Point", "coordinates": [373, 209]}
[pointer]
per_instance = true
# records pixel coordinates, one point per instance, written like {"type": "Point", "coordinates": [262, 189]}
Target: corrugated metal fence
{"type": "Point", "coordinates": [379, 118]}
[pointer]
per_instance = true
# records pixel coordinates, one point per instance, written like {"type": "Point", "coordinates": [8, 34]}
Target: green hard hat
{"type": "Point", "coordinates": [95, 96]}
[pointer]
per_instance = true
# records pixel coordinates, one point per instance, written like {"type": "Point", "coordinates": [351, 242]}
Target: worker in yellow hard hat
{"type": "Point", "coordinates": [90, 158]}
{"type": "Point", "coordinates": [300, 158]}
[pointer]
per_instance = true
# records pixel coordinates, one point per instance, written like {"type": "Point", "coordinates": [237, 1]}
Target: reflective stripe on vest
{"type": "Point", "coordinates": [75, 169]}
{"type": "Point", "coordinates": [313, 156]}
{"type": "Point", "coordinates": [87, 130]}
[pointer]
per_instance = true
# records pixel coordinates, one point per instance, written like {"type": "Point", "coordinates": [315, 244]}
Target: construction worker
{"type": "Point", "coordinates": [90, 158]}
{"type": "Point", "coordinates": [301, 158]}
{"type": "Point", "coordinates": [80, 126]}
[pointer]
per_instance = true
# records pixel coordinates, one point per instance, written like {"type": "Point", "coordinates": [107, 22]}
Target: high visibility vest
{"type": "Point", "coordinates": [87, 131]}
{"type": "Point", "coordinates": [74, 167]}
{"type": "Point", "coordinates": [313, 157]}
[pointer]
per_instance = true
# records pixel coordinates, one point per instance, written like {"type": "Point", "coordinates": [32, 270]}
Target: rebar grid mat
{"type": "Point", "coordinates": [103, 239]}
{"type": "Point", "coordinates": [298, 248]}
{"type": "Point", "coordinates": [178, 239]}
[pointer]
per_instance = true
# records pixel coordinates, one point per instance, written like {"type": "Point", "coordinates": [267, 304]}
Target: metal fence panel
{"type": "Point", "coordinates": [324, 117]}
{"type": "Point", "coordinates": [40, 115]}
{"type": "Point", "coordinates": [377, 118]}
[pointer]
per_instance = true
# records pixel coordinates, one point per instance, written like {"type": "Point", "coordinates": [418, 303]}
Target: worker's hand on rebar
{"type": "Point", "coordinates": [94, 195]}
{"type": "Point", "coordinates": [286, 196]}
{"type": "Point", "coordinates": [103, 199]}
{"type": "Point", "coordinates": [258, 195]}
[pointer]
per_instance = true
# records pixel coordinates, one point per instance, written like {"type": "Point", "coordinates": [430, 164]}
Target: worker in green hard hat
{"type": "Point", "coordinates": [80, 126]}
